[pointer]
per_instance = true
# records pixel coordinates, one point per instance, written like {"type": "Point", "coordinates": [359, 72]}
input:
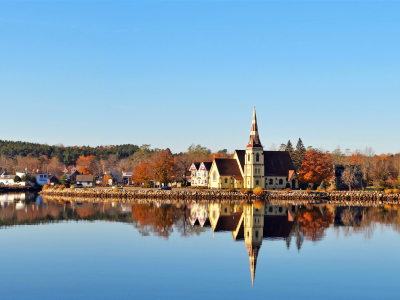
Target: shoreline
{"type": "Point", "coordinates": [356, 197]}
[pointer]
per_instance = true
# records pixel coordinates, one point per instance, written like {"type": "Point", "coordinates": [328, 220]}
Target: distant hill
{"type": "Point", "coordinates": [68, 155]}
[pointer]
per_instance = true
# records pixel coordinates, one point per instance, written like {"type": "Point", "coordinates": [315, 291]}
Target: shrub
{"type": "Point", "coordinates": [72, 187]}
{"type": "Point", "coordinates": [287, 190]}
{"type": "Point", "coordinates": [231, 190]}
{"type": "Point", "coordinates": [17, 178]}
{"type": "Point", "coordinates": [115, 189]}
{"type": "Point", "coordinates": [258, 191]}
{"type": "Point", "coordinates": [322, 186]}
{"type": "Point", "coordinates": [331, 188]}
{"type": "Point", "coordinates": [308, 191]}
{"type": "Point", "coordinates": [45, 187]}
{"type": "Point", "coordinates": [388, 191]}
{"type": "Point", "coordinates": [287, 185]}
{"type": "Point", "coordinates": [246, 191]}
{"type": "Point", "coordinates": [396, 191]}
{"type": "Point", "coordinates": [61, 187]}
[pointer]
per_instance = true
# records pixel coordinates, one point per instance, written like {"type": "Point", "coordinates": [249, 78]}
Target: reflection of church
{"type": "Point", "coordinates": [252, 223]}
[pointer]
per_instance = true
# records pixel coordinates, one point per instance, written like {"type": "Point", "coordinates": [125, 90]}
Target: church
{"type": "Point", "coordinates": [253, 167]}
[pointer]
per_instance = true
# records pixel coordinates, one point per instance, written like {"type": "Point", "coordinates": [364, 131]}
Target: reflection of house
{"type": "Point", "coordinates": [252, 224]}
{"type": "Point", "coordinates": [253, 167]}
{"type": "Point", "coordinates": [199, 214]}
{"type": "Point", "coordinates": [85, 180]}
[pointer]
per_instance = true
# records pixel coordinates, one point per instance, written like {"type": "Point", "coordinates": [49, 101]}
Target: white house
{"type": "Point", "coordinates": [200, 173]}
{"type": "Point", "coordinates": [85, 180]}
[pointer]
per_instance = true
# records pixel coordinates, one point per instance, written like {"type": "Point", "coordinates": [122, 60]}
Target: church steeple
{"type": "Point", "coordinates": [253, 254]}
{"type": "Point", "coordinates": [254, 141]}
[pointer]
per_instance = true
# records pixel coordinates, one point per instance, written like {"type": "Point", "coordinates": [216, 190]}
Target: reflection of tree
{"type": "Point", "coordinates": [313, 223]}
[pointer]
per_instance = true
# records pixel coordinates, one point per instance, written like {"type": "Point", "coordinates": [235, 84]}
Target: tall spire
{"type": "Point", "coordinates": [254, 140]}
{"type": "Point", "coordinates": [253, 254]}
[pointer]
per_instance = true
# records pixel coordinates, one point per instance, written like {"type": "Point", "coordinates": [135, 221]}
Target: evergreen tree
{"type": "Point", "coordinates": [298, 154]}
{"type": "Point", "coordinates": [289, 148]}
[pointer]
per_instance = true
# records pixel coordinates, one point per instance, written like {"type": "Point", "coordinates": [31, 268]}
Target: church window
{"type": "Point", "coordinates": [257, 157]}
{"type": "Point", "coordinates": [248, 157]}
{"type": "Point", "coordinates": [215, 176]}
{"type": "Point", "coordinates": [226, 210]}
{"type": "Point", "coordinates": [271, 181]}
{"type": "Point", "coordinates": [257, 182]}
{"type": "Point", "coordinates": [226, 180]}
{"type": "Point", "coordinates": [280, 181]}
{"type": "Point", "coordinates": [248, 234]}
{"type": "Point", "coordinates": [280, 209]}
{"type": "Point", "coordinates": [256, 233]}
{"type": "Point", "coordinates": [270, 209]}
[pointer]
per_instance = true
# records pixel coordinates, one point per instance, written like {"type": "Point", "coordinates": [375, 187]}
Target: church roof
{"type": "Point", "coordinates": [277, 227]}
{"type": "Point", "coordinates": [241, 154]}
{"type": "Point", "coordinates": [228, 223]}
{"type": "Point", "coordinates": [207, 165]}
{"type": "Point", "coordinates": [228, 167]}
{"type": "Point", "coordinates": [277, 163]}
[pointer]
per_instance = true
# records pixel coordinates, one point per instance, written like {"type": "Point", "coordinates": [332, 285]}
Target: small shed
{"type": "Point", "coordinates": [85, 180]}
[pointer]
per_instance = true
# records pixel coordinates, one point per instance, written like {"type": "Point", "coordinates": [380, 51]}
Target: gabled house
{"type": "Point", "coordinates": [200, 173]}
{"type": "Point", "coordinates": [116, 176]}
{"type": "Point", "coordinates": [85, 180]}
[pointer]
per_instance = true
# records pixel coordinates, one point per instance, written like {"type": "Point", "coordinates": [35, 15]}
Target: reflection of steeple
{"type": "Point", "coordinates": [253, 254]}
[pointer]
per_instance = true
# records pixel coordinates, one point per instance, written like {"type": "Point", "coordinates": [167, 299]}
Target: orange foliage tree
{"type": "Point", "coordinates": [85, 171]}
{"type": "Point", "coordinates": [162, 167]}
{"type": "Point", "coordinates": [316, 167]}
{"type": "Point", "coordinates": [142, 173]}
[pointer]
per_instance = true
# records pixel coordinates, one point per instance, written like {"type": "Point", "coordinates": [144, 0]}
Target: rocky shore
{"type": "Point", "coordinates": [336, 197]}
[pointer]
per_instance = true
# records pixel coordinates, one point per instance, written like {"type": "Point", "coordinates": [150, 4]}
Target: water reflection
{"type": "Point", "coordinates": [251, 224]}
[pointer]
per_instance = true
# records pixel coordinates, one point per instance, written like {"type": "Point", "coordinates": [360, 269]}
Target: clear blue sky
{"type": "Point", "coordinates": [173, 73]}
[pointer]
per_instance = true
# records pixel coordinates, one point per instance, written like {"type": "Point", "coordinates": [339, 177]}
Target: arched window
{"type": "Point", "coordinates": [226, 180]}
{"type": "Point", "coordinates": [215, 175]}
{"type": "Point", "coordinates": [256, 233]}
{"type": "Point", "coordinates": [271, 181]}
{"type": "Point", "coordinates": [257, 183]}
{"type": "Point", "coordinates": [280, 181]}
{"type": "Point", "coordinates": [257, 157]}
{"type": "Point", "coordinates": [248, 157]}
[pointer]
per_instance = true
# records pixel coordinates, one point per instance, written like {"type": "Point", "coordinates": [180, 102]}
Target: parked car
{"type": "Point", "coordinates": [118, 186]}
{"type": "Point", "coordinates": [166, 188]}
{"type": "Point", "coordinates": [78, 185]}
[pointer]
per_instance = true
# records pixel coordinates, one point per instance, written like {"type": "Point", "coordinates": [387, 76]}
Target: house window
{"type": "Point", "coordinates": [226, 180]}
{"type": "Point", "coordinates": [257, 157]}
{"type": "Point", "coordinates": [280, 181]}
{"type": "Point", "coordinates": [271, 181]}
{"type": "Point", "coordinates": [215, 176]}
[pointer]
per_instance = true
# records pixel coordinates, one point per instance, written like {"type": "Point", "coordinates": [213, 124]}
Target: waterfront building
{"type": "Point", "coordinates": [253, 167]}
{"type": "Point", "coordinates": [85, 180]}
{"type": "Point", "coordinates": [41, 178]}
{"type": "Point", "coordinates": [200, 173]}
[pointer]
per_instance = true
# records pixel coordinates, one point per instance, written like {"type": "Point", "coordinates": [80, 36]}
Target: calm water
{"type": "Point", "coordinates": [55, 249]}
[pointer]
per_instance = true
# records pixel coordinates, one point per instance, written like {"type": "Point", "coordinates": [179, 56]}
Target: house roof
{"type": "Point", "coordinates": [207, 165]}
{"type": "Point", "coordinates": [196, 164]}
{"type": "Point", "coordinates": [277, 163]}
{"type": "Point", "coordinates": [228, 223]}
{"type": "Point", "coordinates": [241, 155]}
{"type": "Point", "coordinates": [228, 167]}
{"type": "Point", "coordinates": [84, 178]}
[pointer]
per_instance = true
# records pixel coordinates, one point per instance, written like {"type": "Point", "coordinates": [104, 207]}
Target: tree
{"type": "Point", "coordinates": [17, 178]}
{"type": "Point", "coordinates": [298, 155]}
{"type": "Point", "coordinates": [162, 167]}
{"type": "Point", "coordinates": [349, 176]}
{"type": "Point", "coordinates": [142, 173]}
{"type": "Point", "coordinates": [64, 179]}
{"type": "Point", "coordinates": [315, 168]}
{"type": "Point", "coordinates": [289, 148]}
{"type": "Point", "coordinates": [282, 147]}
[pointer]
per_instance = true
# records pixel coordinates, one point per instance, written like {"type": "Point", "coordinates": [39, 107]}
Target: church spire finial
{"type": "Point", "coordinates": [254, 140]}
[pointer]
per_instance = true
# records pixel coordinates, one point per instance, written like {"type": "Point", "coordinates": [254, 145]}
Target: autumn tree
{"type": "Point", "coordinates": [142, 173]}
{"type": "Point", "coordinates": [315, 168]}
{"type": "Point", "coordinates": [162, 166]}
